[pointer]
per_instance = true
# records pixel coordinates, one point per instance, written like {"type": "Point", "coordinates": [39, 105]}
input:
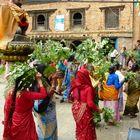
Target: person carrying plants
{"type": "Point", "coordinates": [110, 93]}
{"type": "Point", "coordinates": [45, 109]}
{"type": "Point", "coordinates": [82, 95]}
{"type": "Point", "coordinates": [133, 93]}
{"type": "Point", "coordinates": [18, 118]}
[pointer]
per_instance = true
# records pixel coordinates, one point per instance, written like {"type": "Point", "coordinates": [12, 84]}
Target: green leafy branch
{"type": "Point", "coordinates": [107, 116]}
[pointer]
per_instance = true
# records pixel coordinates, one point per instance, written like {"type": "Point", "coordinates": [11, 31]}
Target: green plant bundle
{"type": "Point", "coordinates": [97, 118]}
{"type": "Point", "coordinates": [106, 117]}
{"type": "Point", "coordinates": [24, 72]}
{"type": "Point", "coordinates": [133, 79]}
{"type": "Point", "coordinates": [134, 54]}
{"type": "Point", "coordinates": [105, 46]}
{"type": "Point", "coordinates": [87, 52]}
{"type": "Point", "coordinates": [107, 114]}
{"type": "Point", "coordinates": [49, 70]}
{"type": "Point", "coordinates": [96, 54]}
{"type": "Point", "coordinates": [84, 51]}
{"type": "Point", "coordinates": [51, 51]}
{"type": "Point", "coordinates": [130, 75]}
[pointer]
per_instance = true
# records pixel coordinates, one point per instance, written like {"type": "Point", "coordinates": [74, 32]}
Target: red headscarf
{"type": "Point", "coordinates": [82, 80]}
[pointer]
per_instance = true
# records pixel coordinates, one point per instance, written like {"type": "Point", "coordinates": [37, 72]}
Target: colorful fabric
{"type": "Point", "coordinates": [68, 78]}
{"type": "Point", "coordinates": [121, 77]}
{"type": "Point", "coordinates": [47, 123]}
{"type": "Point", "coordinates": [82, 80]}
{"type": "Point", "coordinates": [85, 129]}
{"type": "Point", "coordinates": [109, 93]}
{"type": "Point", "coordinates": [114, 105]}
{"type": "Point", "coordinates": [83, 90]}
{"type": "Point", "coordinates": [113, 85]}
{"type": "Point", "coordinates": [131, 102]}
{"type": "Point", "coordinates": [9, 16]}
{"type": "Point", "coordinates": [113, 79]}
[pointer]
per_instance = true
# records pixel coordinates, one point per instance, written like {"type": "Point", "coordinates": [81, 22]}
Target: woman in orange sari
{"type": "Point", "coordinates": [112, 86]}
{"type": "Point", "coordinates": [83, 95]}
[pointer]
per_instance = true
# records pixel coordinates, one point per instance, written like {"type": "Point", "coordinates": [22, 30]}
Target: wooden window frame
{"type": "Point", "coordinates": [120, 8]}
{"type": "Point", "coordinates": [72, 13]}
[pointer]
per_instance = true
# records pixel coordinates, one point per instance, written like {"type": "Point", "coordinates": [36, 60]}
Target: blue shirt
{"type": "Point", "coordinates": [113, 79]}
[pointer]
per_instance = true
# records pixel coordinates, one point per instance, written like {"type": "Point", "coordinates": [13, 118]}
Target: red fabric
{"type": "Point", "coordinates": [82, 83]}
{"type": "Point", "coordinates": [23, 24]}
{"type": "Point", "coordinates": [85, 129]}
{"type": "Point", "coordinates": [82, 80]}
{"type": "Point", "coordinates": [23, 126]}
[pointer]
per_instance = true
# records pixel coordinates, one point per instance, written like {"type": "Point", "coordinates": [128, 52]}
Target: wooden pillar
{"type": "Point", "coordinates": [136, 25]}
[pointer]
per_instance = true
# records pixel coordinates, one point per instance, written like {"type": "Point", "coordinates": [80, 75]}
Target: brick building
{"type": "Point", "coordinates": [77, 20]}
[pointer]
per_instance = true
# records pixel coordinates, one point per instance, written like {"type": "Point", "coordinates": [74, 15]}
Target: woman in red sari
{"type": "Point", "coordinates": [18, 119]}
{"type": "Point", "coordinates": [83, 106]}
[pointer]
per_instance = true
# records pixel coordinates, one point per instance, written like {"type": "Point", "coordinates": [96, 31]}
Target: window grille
{"type": "Point", "coordinates": [111, 18]}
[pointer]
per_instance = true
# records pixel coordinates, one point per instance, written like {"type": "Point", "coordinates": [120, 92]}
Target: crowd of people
{"type": "Point", "coordinates": [77, 84]}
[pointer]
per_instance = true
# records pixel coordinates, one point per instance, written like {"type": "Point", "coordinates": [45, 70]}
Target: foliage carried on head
{"type": "Point", "coordinates": [93, 53]}
{"type": "Point", "coordinates": [51, 51]}
{"type": "Point", "coordinates": [24, 72]}
{"type": "Point", "coordinates": [96, 54]}
{"type": "Point", "coordinates": [135, 55]}
{"type": "Point", "coordinates": [132, 80]}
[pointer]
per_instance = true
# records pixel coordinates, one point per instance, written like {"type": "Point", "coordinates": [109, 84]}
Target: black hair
{"type": "Point", "coordinates": [111, 69]}
{"type": "Point", "coordinates": [135, 68]}
{"type": "Point", "coordinates": [71, 58]}
{"type": "Point", "coordinates": [14, 94]}
{"type": "Point", "coordinates": [40, 68]}
{"type": "Point", "coordinates": [117, 65]}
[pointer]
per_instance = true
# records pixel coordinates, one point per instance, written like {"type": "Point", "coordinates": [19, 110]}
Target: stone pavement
{"type": "Point", "coordinates": [66, 124]}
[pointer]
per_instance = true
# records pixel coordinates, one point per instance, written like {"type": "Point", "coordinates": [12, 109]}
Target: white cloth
{"type": "Point", "coordinates": [120, 101]}
{"type": "Point", "coordinates": [120, 75]}
{"type": "Point", "coordinates": [114, 53]}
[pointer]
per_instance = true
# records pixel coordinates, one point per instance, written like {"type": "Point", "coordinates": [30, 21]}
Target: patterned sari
{"type": "Point", "coordinates": [85, 129]}
{"type": "Point", "coordinates": [47, 123]}
{"type": "Point", "coordinates": [133, 96]}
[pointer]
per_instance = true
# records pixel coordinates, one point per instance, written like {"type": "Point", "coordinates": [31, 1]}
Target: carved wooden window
{"type": "Point", "coordinates": [111, 18]}
{"type": "Point", "coordinates": [77, 19]}
{"type": "Point", "coordinates": [41, 22]}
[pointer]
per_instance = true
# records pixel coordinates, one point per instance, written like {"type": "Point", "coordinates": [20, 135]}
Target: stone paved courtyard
{"type": "Point", "coordinates": [66, 125]}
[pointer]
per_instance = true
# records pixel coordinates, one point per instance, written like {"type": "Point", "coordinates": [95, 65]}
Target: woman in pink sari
{"type": "Point", "coordinates": [18, 119]}
{"type": "Point", "coordinates": [83, 95]}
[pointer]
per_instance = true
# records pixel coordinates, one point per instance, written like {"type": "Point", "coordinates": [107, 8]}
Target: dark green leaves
{"type": "Point", "coordinates": [22, 71]}
{"type": "Point", "coordinates": [107, 114]}
{"type": "Point", "coordinates": [51, 51]}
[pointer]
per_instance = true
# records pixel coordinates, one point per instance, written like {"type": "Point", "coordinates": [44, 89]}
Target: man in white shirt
{"type": "Point", "coordinates": [113, 54]}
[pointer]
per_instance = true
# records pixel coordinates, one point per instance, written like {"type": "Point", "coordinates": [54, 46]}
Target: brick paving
{"type": "Point", "coordinates": [66, 124]}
